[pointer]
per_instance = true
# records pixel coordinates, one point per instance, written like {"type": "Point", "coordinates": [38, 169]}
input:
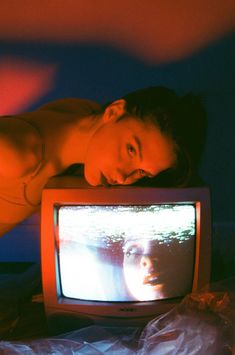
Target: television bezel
{"type": "Point", "coordinates": [61, 191]}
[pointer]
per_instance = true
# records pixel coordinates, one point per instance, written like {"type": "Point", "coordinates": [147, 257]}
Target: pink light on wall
{"type": "Point", "coordinates": [22, 83]}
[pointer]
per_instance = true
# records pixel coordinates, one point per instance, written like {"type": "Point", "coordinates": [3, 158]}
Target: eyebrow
{"type": "Point", "coordinates": [139, 145]}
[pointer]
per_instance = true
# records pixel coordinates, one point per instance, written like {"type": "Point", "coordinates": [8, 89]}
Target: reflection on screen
{"type": "Point", "coordinates": [126, 253]}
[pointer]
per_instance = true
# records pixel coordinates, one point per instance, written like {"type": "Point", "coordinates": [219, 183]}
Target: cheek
{"type": "Point", "coordinates": [98, 153]}
{"type": "Point", "coordinates": [105, 150]}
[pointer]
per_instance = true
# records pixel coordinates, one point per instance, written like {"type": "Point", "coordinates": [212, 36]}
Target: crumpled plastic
{"type": "Point", "coordinates": [203, 323]}
{"type": "Point", "coordinates": [92, 340]}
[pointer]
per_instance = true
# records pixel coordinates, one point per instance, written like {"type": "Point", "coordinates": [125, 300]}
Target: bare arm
{"type": "Point", "coordinates": [20, 148]}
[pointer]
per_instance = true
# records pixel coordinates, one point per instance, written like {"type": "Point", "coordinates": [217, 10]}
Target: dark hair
{"type": "Point", "coordinates": [183, 119]}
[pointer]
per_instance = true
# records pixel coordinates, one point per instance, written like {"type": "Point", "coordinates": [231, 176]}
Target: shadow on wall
{"type": "Point", "coordinates": [22, 244]}
{"type": "Point", "coordinates": [223, 251]}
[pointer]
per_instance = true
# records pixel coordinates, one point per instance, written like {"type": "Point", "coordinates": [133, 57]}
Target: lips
{"type": "Point", "coordinates": [151, 279]}
{"type": "Point", "coordinates": [104, 180]}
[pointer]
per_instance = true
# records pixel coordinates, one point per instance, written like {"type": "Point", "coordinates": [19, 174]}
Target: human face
{"type": "Point", "coordinates": [141, 271]}
{"type": "Point", "coordinates": [123, 151]}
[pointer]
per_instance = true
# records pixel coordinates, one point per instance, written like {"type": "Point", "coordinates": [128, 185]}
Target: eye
{"type": "Point", "coordinates": [142, 173]}
{"type": "Point", "coordinates": [131, 150]}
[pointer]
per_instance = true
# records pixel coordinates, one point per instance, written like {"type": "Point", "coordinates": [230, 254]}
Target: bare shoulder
{"type": "Point", "coordinates": [14, 126]}
{"type": "Point", "coordinates": [20, 147]}
{"type": "Point", "coordinates": [72, 105]}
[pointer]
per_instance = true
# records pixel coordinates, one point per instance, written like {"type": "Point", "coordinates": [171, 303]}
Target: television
{"type": "Point", "coordinates": [120, 255]}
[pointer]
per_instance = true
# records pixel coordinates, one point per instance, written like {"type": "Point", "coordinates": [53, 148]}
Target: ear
{"type": "Point", "coordinates": [114, 111]}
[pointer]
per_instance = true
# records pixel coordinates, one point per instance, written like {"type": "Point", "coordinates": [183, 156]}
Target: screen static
{"type": "Point", "coordinates": [126, 253]}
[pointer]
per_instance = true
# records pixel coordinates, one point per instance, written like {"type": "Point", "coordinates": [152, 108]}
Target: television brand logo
{"type": "Point", "coordinates": [127, 309]}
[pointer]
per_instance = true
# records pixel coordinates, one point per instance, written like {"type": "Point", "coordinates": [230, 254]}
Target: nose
{"type": "Point", "coordinates": [125, 177]}
{"type": "Point", "coordinates": [146, 264]}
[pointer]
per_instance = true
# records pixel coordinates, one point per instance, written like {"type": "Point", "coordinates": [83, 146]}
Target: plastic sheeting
{"type": "Point", "coordinates": [92, 340]}
{"type": "Point", "coordinates": [203, 323]}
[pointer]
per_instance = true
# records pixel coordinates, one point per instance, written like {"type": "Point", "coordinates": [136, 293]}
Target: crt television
{"type": "Point", "coordinates": [120, 255]}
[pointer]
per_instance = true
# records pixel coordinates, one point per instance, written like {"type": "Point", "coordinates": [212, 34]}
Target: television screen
{"type": "Point", "coordinates": [126, 253]}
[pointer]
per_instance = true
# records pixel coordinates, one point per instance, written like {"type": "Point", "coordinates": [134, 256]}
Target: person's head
{"type": "Point", "coordinates": [141, 270]}
{"type": "Point", "coordinates": [154, 269]}
{"type": "Point", "coordinates": [148, 133]}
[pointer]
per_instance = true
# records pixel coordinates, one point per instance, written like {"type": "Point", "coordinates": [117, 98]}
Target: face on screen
{"type": "Point", "coordinates": [142, 270]}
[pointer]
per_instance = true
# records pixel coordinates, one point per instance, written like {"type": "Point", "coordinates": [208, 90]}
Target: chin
{"type": "Point", "coordinates": [145, 293]}
{"type": "Point", "coordinates": [92, 182]}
